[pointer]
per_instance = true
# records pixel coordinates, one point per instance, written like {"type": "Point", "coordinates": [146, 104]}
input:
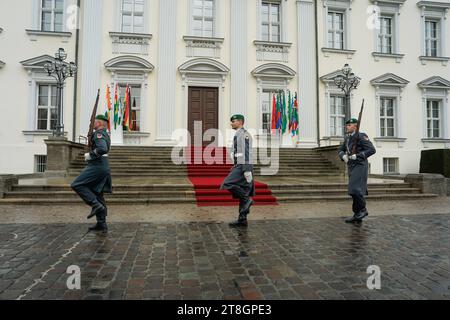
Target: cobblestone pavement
{"type": "Point", "coordinates": [312, 258]}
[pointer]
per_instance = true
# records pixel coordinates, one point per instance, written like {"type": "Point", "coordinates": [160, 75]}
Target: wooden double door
{"type": "Point", "coordinates": [203, 106]}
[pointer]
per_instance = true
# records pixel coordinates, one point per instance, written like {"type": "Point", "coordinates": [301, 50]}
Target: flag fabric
{"type": "Point", "coordinates": [127, 109]}
{"type": "Point", "coordinates": [279, 115]}
{"type": "Point", "coordinates": [131, 113]}
{"type": "Point", "coordinates": [295, 119]}
{"type": "Point", "coordinates": [108, 106]}
{"type": "Point", "coordinates": [274, 114]}
{"type": "Point", "coordinates": [116, 106]}
{"type": "Point", "coordinates": [284, 119]}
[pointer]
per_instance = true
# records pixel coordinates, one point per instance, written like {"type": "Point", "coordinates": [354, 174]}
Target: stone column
{"type": "Point", "coordinates": [307, 81]}
{"type": "Point", "coordinates": [91, 64]}
{"type": "Point", "coordinates": [167, 71]}
{"type": "Point", "coordinates": [239, 46]}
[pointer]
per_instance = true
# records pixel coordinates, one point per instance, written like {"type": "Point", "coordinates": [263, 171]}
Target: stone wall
{"type": "Point", "coordinates": [331, 154]}
{"type": "Point", "coordinates": [60, 152]}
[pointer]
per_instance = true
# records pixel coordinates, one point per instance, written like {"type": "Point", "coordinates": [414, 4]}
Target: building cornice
{"type": "Point", "coordinates": [433, 4]}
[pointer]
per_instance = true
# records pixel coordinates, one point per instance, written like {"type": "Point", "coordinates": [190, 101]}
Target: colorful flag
{"type": "Point", "coordinates": [279, 114]}
{"type": "Point", "coordinates": [127, 111]}
{"type": "Point", "coordinates": [108, 104]}
{"type": "Point", "coordinates": [284, 117]}
{"type": "Point", "coordinates": [133, 115]}
{"type": "Point", "coordinates": [274, 114]}
{"type": "Point", "coordinates": [295, 119]}
{"type": "Point", "coordinates": [116, 106]}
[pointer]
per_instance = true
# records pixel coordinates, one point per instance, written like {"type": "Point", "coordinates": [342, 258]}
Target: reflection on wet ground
{"type": "Point", "coordinates": [273, 259]}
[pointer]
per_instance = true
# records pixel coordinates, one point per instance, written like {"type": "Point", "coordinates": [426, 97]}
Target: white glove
{"type": "Point", "coordinates": [352, 157]}
{"type": "Point", "coordinates": [248, 176]}
{"type": "Point", "coordinates": [87, 157]}
{"type": "Point", "coordinates": [345, 158]}
{"type": "Point", "coordinates": [232, 155]}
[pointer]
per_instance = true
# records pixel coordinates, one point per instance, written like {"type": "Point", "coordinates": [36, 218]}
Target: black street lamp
{"type": "Point", "coordinates": [60, 70]}
{"type": "Point", "coordinates": [347, 82]}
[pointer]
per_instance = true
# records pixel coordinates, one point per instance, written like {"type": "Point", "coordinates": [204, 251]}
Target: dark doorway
{"type": "Point", "coordinates": [203, 106]}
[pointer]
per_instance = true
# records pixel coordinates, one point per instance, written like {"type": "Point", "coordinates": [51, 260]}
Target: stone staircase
{"type": "Point", "coordinates": [151, 161]}
{"type": "Point", "coordinates": [144, 162]}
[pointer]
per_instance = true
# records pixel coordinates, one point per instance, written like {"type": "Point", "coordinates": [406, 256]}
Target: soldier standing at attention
{"type": "Point", "coordinates": [240, 179]}
{"type": "Point", "coordinates": [95, 179]}
{"type": "Point", "coordinates": [358, 167]}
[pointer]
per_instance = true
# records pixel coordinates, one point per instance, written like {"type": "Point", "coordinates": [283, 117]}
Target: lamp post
{"type": "Point", "coordinates": [347, 82]}
{"type": "Point", "coordinates": [60, 70]}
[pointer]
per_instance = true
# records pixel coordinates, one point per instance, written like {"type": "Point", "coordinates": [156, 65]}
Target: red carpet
{"type": "Point", "coordinates": [207, 170]}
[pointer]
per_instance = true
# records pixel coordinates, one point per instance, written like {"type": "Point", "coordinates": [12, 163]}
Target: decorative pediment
{"type": "Point", "coordinates": [389, 79]}
{"type": "Point", "coordinates": [38, 62]}
{"type": "Point", "coordinates": [274, 70]}
{"type": "Point", "coordinates": [129, 64]}
{"type": "Point", "coordinates": [331, 76]}
{"type": "Point", "coordinates": [396, 2]}
{"type": "Point", "coordinates": [2, 64]}
{"type": "Point", "coordinates": [435, 82]}
{"type": "Point", "coordinates": [204, 66]}
{"type": "Point", "coordinates": [434, 5]}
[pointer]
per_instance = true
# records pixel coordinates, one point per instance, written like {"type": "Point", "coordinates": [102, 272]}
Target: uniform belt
{"type": "Point", "coordinates": [105, 155]}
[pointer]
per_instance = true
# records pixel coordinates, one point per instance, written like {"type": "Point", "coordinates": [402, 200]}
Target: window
{"type": "Point", "coordinates": [132, 16]}
{"type": "Point", "coordinates": [434, 118]}
{"type": "Point", "coordinates": [390, 166]}
{"type": "Point", "coordinates": [46, 108]}
{"type": "Point", "coordinates": [203, 18]}
{"type": "Point", "coordinates": [40, 163]}
{"type": "Point", "coordinates": [135, 105]}
{"type": "Point", "coordinates": [337, 115]}
{"type": "Point", "coordinates": [52, 15]}
{"type": "Point", "coordinates": [385, 36]}
{"type": "Point", "coordinates": [270, 22]}
{"type": "Point", "coordinates": [387, 117]}
{"type": "Point", "coordinates": [431, 38]}
{"type": "Point", "coordinates": [336, 30]}
{"type": "Point", "coordinates": [266, 111]}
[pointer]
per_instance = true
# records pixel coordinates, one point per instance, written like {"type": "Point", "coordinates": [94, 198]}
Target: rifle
{"type": "Point", "coordinates": [357, 129]}
{"type": "Point", "coordinates": [91, 125]}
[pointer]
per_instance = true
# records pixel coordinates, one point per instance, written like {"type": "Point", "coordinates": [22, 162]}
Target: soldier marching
{"type": "Point", "coordinates": [240, 179]}
{"type": "Point", "coordinates": [355, 151]}
{"type": "Point", "coordinates": [95, 180]}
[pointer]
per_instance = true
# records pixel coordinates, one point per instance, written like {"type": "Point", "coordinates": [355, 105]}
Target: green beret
{"type": "Point", "coordinates": [238, 117]}
{"type": "Point", "coordinates": [101, 117]}
{"type": "Point", "coordinates": [352, 121]}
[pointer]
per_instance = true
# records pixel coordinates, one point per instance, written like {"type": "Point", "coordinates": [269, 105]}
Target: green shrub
{"type": "Point", "coordinates": [435, 161]}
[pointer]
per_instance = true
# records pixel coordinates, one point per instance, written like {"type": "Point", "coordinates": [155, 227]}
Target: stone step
{"type": "Point", "coordinates": [166, 200]}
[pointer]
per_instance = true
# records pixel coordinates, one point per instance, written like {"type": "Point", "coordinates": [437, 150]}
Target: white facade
{"type": "Point", "coordinates": [164, 47]}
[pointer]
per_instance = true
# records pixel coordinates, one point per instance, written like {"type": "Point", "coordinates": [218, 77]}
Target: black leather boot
{"type": "Point", "coordinates": [245, 208]}
{"type": "Point", "coordinates": [240, 222]}
{"type": "Point", "coordinates": [101, 223]}
{"type": "Point", "coordinates": [97, 207]}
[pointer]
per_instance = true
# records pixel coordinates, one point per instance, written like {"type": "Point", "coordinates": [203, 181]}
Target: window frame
{"type": "Point", "coordinates": [122, 84]}
{"type": "Point", "coordinates": [385, 118]}
{"type": "Point", "coordinates": [52, 12]}
{"type": "Point", "coordinates": [387, 165]}
{"type": "Point", "coordinates": [334, 13]}
{"type": "Point", "coordinates": [431, 119]}
{"type": "Point", "coordinates": [203, 18]}
{"type": "Point", "coordinates": [270, 23]}
{"type": "Point", "coordinates": [382, 36]}
{"type": "Point", "coordinates": [333, 117]}
{"type": "Point", "coordinates": [122, 12]}
{"type": "Point", "coordinates": [49, 107]}
{"type": "Point", "coordinates": [428, 39]}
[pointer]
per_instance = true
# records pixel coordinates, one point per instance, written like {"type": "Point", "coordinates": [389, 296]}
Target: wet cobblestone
{"type": "Point", "coordinates": [321, 258]}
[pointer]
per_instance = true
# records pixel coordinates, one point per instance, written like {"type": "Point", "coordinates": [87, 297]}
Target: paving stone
{"type": "Point", "coordinates": [291, 259]}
